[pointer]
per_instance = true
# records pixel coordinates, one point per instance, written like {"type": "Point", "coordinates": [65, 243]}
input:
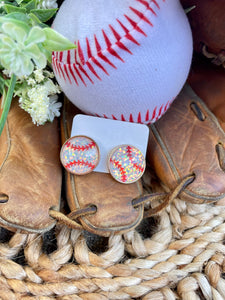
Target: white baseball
{"type": "Point", "coordinates": [132, 56]}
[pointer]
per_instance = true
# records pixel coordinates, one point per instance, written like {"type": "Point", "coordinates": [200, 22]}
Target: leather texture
{"type": "Point", "coordinates": [30, 173]}
{"type": "Point", "coordinates": [185, 140]}
{"type": "Point", "coordinates": [207, 24]}
{"type": "Point", "coordinates": [113, 200]}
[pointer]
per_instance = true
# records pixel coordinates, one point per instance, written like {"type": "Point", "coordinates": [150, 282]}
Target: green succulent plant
{"type": "Point", "coordinates": [26, 42]}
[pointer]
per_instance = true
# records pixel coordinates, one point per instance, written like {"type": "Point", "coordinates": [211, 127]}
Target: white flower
{"type": "Point", "coordinates": [38, 75]}
{"type": "Point", "coordinates": [31, 81]}
{"type": "Point", "coordinates": [47, 4]}
{"type": "Point", "coordinates": [54, 107]}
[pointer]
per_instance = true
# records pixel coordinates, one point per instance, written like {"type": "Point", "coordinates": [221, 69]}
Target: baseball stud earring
{"type": "Point", "coordinates": [79, 155]}
{"type": "Point", "coordinates": [126, 163]}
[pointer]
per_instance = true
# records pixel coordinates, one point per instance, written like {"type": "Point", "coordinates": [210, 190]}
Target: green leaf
{"type": "Point", "coordinates": [44, 14]}
{"type": "Point", "coordinates": [17, 16]}
{"type": "Point", "coordinates": [55, 41]}
{"type": "Point", "coordinates": [15, 22]}
{"type": "Point", "coordinates": [31, 5]}
{"type": "Point", "coordinates": [36, 35]}
{"type": "Point", "coordinates": [35, 21]}
{"type": "Point", "coordinates": [11, 9]}
{"type": "Point", "coordinates": [7, 102]}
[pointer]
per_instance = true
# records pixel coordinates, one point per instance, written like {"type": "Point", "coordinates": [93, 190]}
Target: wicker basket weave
{"type": "Point", "coordinates": [180, 254]}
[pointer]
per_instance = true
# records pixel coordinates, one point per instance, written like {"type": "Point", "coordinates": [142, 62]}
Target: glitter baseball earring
{"type": "Point", "coordinates": [80, 155]}
{"type": "Point", "coordinates": [126, 163]}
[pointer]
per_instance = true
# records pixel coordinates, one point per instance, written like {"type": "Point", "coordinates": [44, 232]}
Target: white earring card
{"type": "Point", "coordinates": [109, 134]}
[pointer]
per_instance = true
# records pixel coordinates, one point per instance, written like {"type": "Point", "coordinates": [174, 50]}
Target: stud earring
{"type": "Point", "coordinates": [80, 155]}
{"type": "Point", "coordinates": [126, 163]}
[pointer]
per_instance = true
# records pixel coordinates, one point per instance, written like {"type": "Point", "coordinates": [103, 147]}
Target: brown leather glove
{"type": "Point", "coordinates": [30, 173]}
{"type": "Point", "coordinates": [189, 139]}
{"type": "Point", "coordinates": [207, 20]}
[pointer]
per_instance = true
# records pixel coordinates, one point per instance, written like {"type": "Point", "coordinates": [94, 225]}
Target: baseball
{"type": "Point", "coordinates": [132, 56]}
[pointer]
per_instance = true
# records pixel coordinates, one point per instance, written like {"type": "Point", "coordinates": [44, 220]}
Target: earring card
{"type": "Point", "coordinates": [109, 134]}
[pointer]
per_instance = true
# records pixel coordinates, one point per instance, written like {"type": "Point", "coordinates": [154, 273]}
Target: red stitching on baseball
{"type": "Point", "coordinates": [85, 73]}
{"type": "Point", "coordinates": [139, 117]}
{"type": "Point", "coordinates": [128, 35]}
{"type": "Point", "coordinates": [78, 73]}
{"type": "Point", "coordinates": [141, 15]}
{"type": "Point", "coordinates": [109, 46]}
{"type": "Point", "coordinates": [65, 68]}
{"type": "Point", "coordinates": [147, 116]}
{"type": "Point", "coordinates": [131, 118]}
{"type": "Point", "coordinates": [79, 51]}
{"type": "Point", "coordinates": [119, 43]}
{"type": "Point", "coordinates": [73, 75]}
{"type": "Point", "coordinates": [155, 114]}
{"type": "Point", "coordinates": [92, 70]}
{"type": "Point", "coordinates": [99, 53]}
{"type": "Point", "coordinates": [135, 25]}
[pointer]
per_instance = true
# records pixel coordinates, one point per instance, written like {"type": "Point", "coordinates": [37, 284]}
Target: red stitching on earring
{"type": "Point", "coordinates": [80, 148]}
{"type": "Point", "coordinates": [141, 15]}
{"type": "Point", "coordinates": [80, 162]}
{"type": "Point", "coordinates": [129, 154]}
{"type": "Point", "coordinates": [119, 166]}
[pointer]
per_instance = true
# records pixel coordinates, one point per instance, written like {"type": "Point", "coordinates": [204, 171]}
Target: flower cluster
{"type": "Point", "coordinates": [38, 96]}
{"type": "Point", "coordinates": [26, 44]}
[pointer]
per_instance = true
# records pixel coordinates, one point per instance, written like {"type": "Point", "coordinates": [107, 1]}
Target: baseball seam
{"type": "Point", "coordinates": [80, 148]}
{"type": "Point", "coordinates": [57, 57]}
{"type": "Point", "coordinates": [135, 165]}
{"type": "Point", "coordinates": [75, 71]}
{"type": "Point", "coordinates": [121, 169]}
{"type": "Point", "coordinates": [80, 162]}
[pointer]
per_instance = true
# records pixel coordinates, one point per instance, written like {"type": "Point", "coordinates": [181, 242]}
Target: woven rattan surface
{"type": "Point", "coordinates": [179, 254]}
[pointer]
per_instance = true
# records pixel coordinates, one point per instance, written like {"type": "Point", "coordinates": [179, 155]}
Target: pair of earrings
{"type": "Point", "coordinates": [80, 155]}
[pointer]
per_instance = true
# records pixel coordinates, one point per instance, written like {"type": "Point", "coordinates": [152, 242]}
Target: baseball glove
{"type": "Point", "coordinates": [30, 173]}
{"type": "Point", "coordinates": [207, 20]}
{"type": "Point", "coordinates": [189, 139]}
